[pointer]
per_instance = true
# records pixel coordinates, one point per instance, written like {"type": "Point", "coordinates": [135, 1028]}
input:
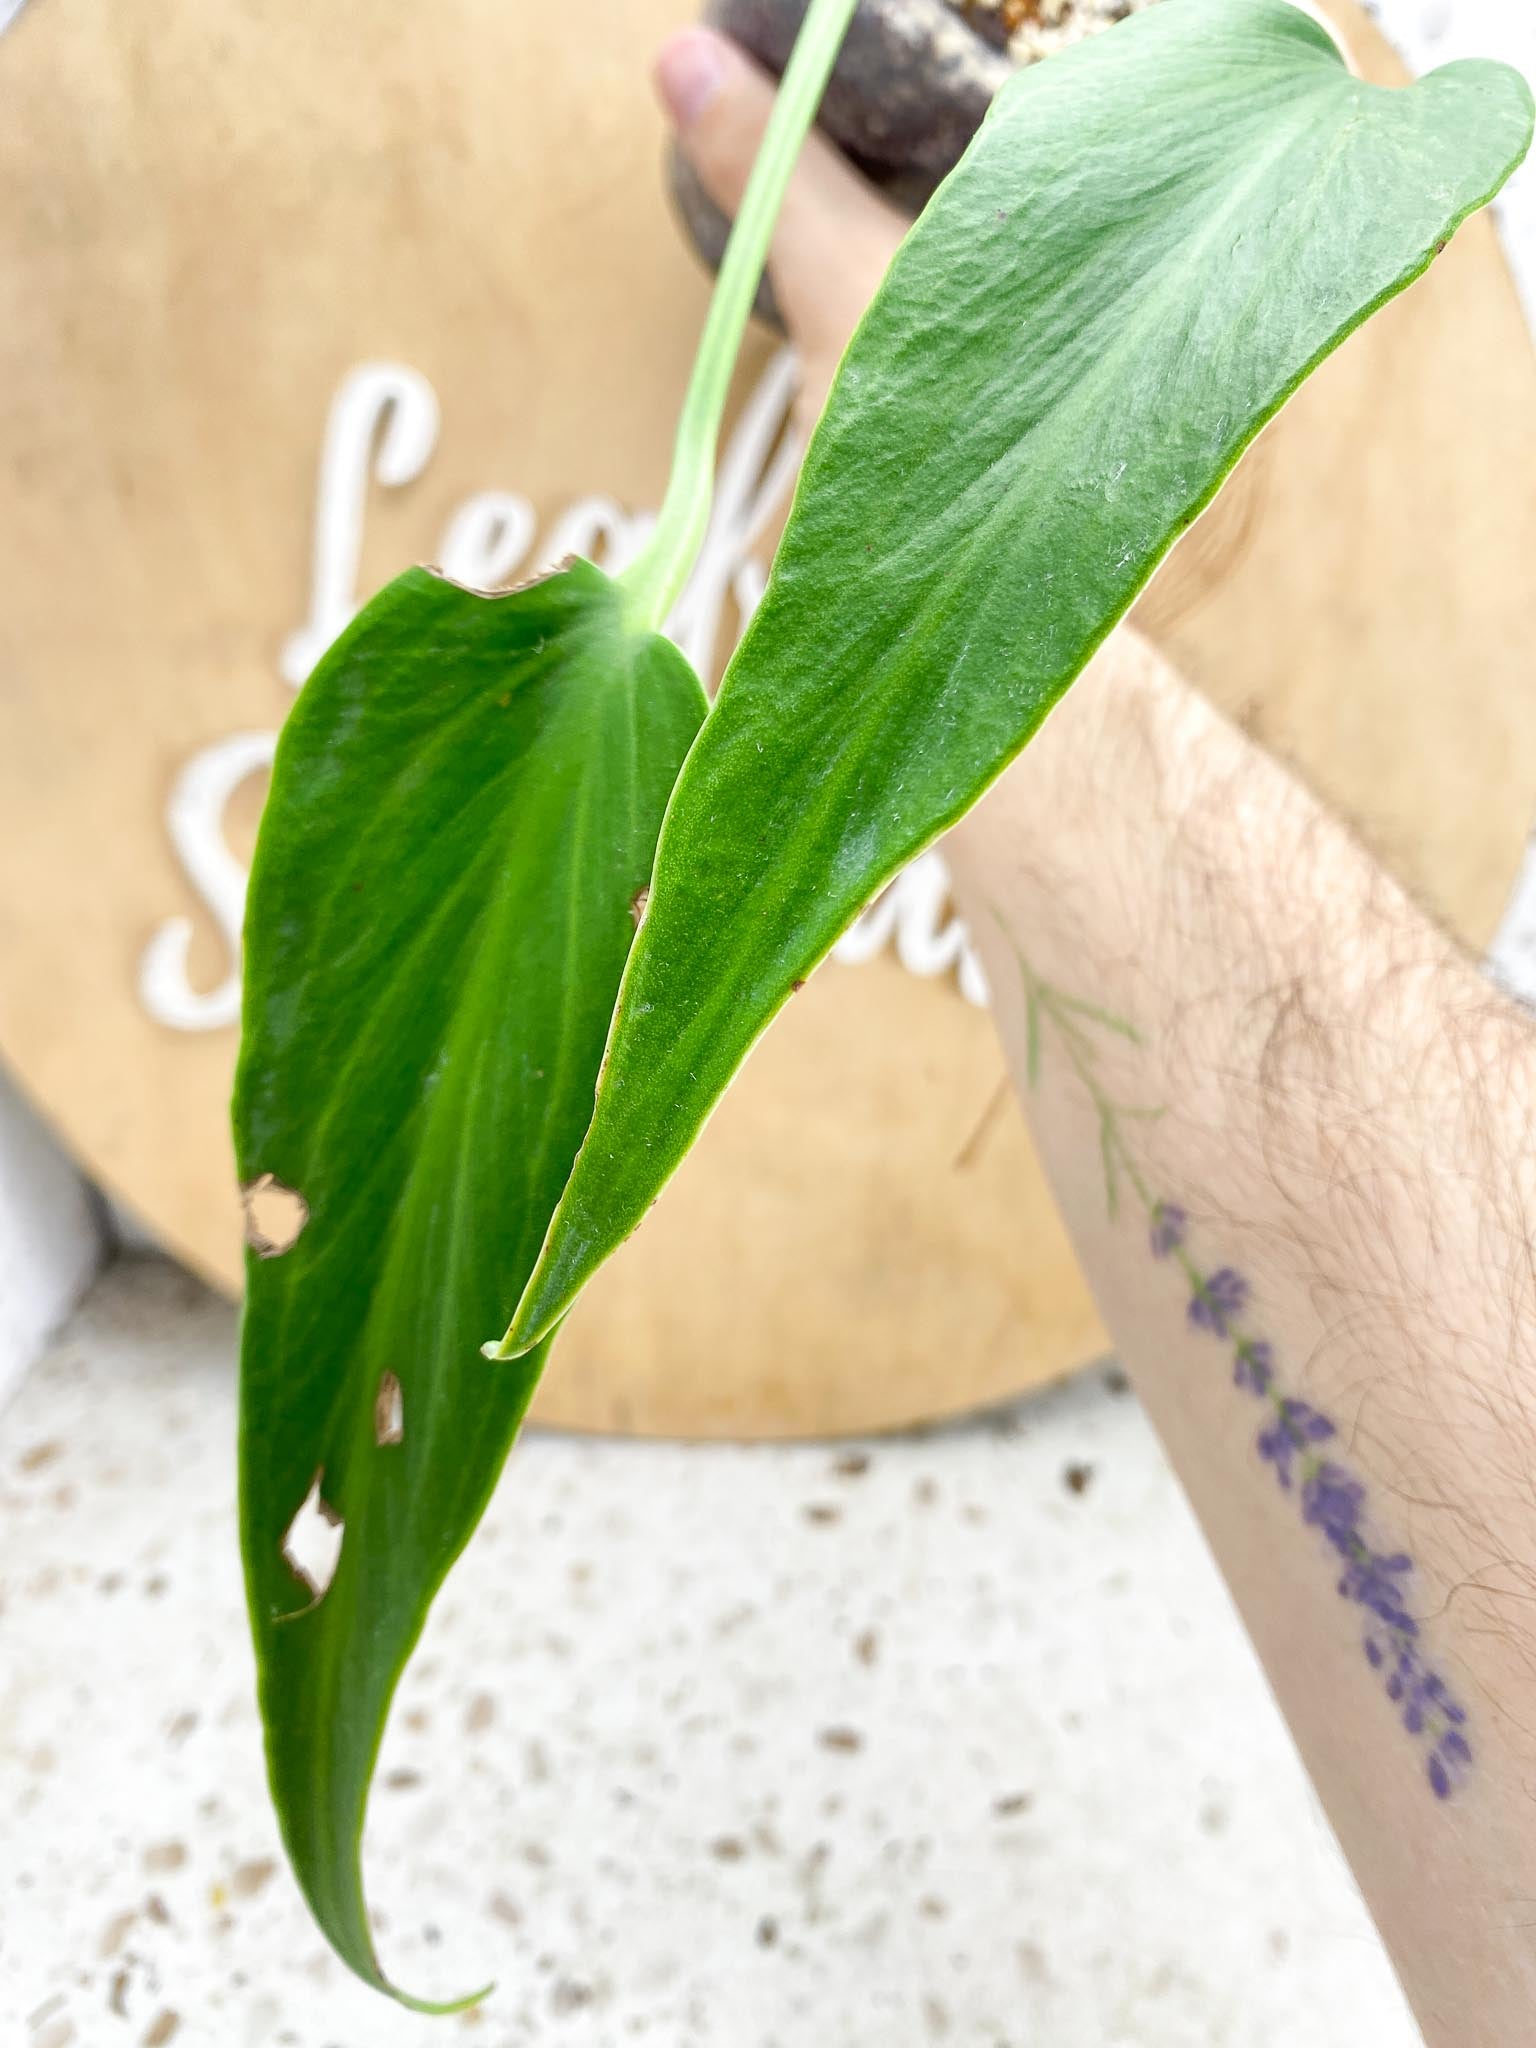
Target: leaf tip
{"type": "Point", "coordinates": [437, 2009]}
{"type": "Point", "coordinates": [518, 1340]}
{"type": "Point", "coordinates": [545, 1299]}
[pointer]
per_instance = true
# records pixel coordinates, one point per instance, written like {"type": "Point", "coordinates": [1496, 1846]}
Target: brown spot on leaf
{"type": "Point", "coordinates": [561, 568]}
{"type": "Point", "coordinates": [1077, 1478]}
{"type": "Point", "coordinates": [389, 1412]}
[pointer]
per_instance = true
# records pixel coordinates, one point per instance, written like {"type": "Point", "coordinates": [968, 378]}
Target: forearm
{"type": "Point", "coordinates": [1304, 1198]}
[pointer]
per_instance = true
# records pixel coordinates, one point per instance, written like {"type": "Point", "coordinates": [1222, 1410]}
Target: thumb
{"type": "Point", "coordinates": [835, 233]}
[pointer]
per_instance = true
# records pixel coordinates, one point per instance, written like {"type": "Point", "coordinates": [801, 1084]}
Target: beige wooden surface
{"type": "Point", "coordinates": [213, 214]}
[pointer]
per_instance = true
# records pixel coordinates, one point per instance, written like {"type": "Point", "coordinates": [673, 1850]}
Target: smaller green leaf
{"type": "Point", "coordinates": [463, 812]}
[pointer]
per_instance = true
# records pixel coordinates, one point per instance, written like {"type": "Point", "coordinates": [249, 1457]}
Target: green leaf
{"type": "Point", "coordinates": [1153, 240]}
{"type": "Point", "coordinates": [464, 807]}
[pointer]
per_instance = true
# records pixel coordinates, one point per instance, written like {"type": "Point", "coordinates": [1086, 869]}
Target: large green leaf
{"type": "Point", "coordinates": [1153, 240]}
{"type": "Point", "coordinates": [464, 807]}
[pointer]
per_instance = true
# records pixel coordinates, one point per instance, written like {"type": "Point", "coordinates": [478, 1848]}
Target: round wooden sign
{"type": "Point", "coordinates": [310, 294]}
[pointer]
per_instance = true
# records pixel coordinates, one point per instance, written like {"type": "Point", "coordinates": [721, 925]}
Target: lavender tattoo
{"type": "Point", "coordinates": [1295, 1440]}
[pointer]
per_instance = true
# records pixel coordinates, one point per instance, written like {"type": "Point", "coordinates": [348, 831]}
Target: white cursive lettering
{"type": "Point", "coordinates": [382, 429]}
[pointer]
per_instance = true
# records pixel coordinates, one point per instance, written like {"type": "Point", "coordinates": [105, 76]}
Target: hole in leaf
{"type": "Point", "coordinates": [389, 1412]}
{"type": "Point", "coordinates": [312, 1543]}
{"type": "Point", "coordinates": [274, 1216]}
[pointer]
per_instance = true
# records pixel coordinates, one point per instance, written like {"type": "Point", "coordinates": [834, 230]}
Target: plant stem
{"type": "Point", "coordinates": [655, 580]}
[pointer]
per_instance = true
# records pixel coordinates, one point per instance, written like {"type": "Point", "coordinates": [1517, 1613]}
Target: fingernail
{"type": "Point", "coordinates": [690, 72]}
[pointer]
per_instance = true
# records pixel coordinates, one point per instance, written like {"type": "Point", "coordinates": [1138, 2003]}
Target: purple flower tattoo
{"type": "Point", "coordinates": [1295, 1426]}
{"type": "Point", "coordinates": [1253, 1365]}
{"type": "Point", "coordinates": [1216, 1303]}
{"type": "Point", "coordinates": [1294, 1438]}
{"type": "Point", "coordinates": [1334, 1501]}
{"type": "Point", "coordinates": [1167, 1231]}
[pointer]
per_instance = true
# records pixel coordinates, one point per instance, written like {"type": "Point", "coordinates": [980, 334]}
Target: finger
{"type": "Point", "coordinates": [719, 100]}
{"type": "Point", "coordinates": [835, 233]}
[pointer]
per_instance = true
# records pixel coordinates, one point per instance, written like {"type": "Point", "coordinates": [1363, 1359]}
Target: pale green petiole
{"type": "Point", "coordinates": [655, 580]}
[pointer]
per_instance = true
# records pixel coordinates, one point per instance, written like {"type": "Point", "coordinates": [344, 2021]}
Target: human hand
{"type": "Point", "coordinates": [835, 235]}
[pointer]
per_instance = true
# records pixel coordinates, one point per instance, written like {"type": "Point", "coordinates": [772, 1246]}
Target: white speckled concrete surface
{"type": "Point", "coordinates": [948, 1739]}
{"type": "Point", "coordinates": [952, 1738]}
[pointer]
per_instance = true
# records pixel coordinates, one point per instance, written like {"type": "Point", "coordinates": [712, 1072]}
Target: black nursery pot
{"type": "Point", "coordinates": [912, 85]}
